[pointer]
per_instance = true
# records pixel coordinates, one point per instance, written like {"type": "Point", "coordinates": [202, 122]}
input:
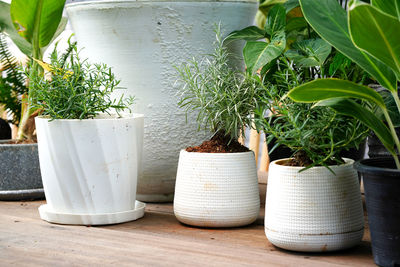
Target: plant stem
{"type": "Point", "coordinates": [394, 135]}
{"type": "Point", "coordinates": [26, 106]}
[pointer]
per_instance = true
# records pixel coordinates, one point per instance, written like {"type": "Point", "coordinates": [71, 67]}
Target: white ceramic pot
{"type": "Point", "coordinates": [216, 189]}
{"type": "Point", "coordinates": [314, 210]}
{"type": "Point", "coordinates": [90, 168]}
{"type": "Point", "coordinates": [143, 40]}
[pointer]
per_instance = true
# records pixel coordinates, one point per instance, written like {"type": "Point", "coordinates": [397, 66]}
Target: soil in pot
{"type": "Point", "coordinates": [219, 143]}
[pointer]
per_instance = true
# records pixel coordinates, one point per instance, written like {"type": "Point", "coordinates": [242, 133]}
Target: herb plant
{"type": "Point", "coordinates": [76, 89]}
{"type": "Point", "coordinates": [291, 54]}
{"type": "Point", "coordinates": [224, 97]}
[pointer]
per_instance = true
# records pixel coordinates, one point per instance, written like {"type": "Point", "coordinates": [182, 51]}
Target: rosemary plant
{"type": "Point", "coordinates": [76, 89]}
{"type": "Point", "coordinates": [316, 135]}
{"type": "Point", "coordinates": [224, 97]}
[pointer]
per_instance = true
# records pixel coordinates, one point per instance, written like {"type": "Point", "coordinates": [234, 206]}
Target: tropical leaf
{"type": "Point", "coordinates": [258, 54]}
{"type": "Point", "coordinates": [329, 20]}
{"type": "Point", "coordinates": [39, 17]}
{"type": "Point", "coordinates": [251, 33]}
{"type": "Point", "coordinates": [387, 6]}
{"type": "Point", "coordinates": [7, 27]}
{"type": "Point", "coordinates": [322, 89]}
{"type": "Point", "coordinates": [351, 108]}
{"type": "Point", "coordinates": [276, 20]}
{"type": "Point", "coordinates": [376, 33]}
{"type": "Point", "coordinates": [309, 53]}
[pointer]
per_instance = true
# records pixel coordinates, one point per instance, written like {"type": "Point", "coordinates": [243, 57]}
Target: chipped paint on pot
{"type": "Point", "coordinates": [142, 41]}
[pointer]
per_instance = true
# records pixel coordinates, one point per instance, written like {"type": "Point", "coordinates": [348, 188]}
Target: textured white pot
{"type": "Point", "coordinates": [142, 40]}
{"type": "Point", "coordinates": [90, 168]}
{"type": "Point", "coordinates": [216, 189]}
{"type": "Point", "coordinates": [313, 210]}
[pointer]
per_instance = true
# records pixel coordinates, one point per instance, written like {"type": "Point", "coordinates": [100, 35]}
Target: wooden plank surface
{"type": "Point", "coordinates": [157, 239]}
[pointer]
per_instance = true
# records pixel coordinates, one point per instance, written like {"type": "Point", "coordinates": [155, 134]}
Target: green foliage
{"type": "Point", "coordinates": [319, 133]}
{"type": "Point", "coordinates": [12, 81]}
{"type": "Point", "coordinates": [223, 97]}
{"type": "Point", "coordinates": [76, 89]}
{"type": "Point", "coordinates": [352, 34]}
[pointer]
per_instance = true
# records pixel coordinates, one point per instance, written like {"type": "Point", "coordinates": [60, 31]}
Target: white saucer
{"type": "Point", "coordinates": [92, 219]}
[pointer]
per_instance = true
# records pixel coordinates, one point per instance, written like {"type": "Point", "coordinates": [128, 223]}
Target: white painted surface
{"type": "Point", "coordinates": [90, 166]}
{"type": "Point", "coordinates": [313, 210]}
{"type": "Point", "coordinates": [216, 189]}
{"type": "Point", "coordinates": [142, 41]}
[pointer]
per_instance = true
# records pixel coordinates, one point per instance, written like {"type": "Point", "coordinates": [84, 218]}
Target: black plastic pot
{"type": "Point", "coordinates": [382, 194]}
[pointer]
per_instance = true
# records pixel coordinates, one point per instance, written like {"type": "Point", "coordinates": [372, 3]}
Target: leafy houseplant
{"type": "Point", "coordinates": [368, 34]}
{"type": "Point", "coordinates": [89, 156]}
{"type": "Point", "coordinates": [216, 184]}
{"type": "Point", "coordinates": [316, 174]}
{"type": "Point", "coordinates": [31, 25]}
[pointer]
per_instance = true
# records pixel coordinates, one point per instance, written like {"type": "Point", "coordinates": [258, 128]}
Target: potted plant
{"type": "Point", "coordinates": [313, 200]}
{"type": "Point", "coordinates": [143, 40]}
{"type": "Point", "coordinates": [216, 182]}
{"type": "Point", "coordinates": [19, 160]}
{"type": "Point", "coordinates": [90, 158]}
{"type": "Point", "coordinates": [368, 34]}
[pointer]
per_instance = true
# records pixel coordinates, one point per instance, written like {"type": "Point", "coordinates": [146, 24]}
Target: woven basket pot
{"type": "Point", "coordinates": [216, 189]}
{"type": "Point", "coordinates": [313, 210]}
{"type": "Point", "coordinates": [142, 41]}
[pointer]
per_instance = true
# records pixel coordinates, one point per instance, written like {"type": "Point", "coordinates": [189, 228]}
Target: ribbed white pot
{"type": "Point", "coordinates": [90, 168]}
{"type": "Point", "coordinates": [143, 40]}
{"type": "Point", "coordinates": [314, 210]}
{"type": "Point", "coordinates": [216, 189]}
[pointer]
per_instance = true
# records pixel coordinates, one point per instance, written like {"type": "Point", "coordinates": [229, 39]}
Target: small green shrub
{"type": "Point", "coordinates": [76, 89]}
{"type": "Point", "coordinates": [224, 97]}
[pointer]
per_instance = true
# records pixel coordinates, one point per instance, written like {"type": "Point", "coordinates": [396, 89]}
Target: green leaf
{"type": "Point", "coordinates": [329, 20]}
{"type": "Point", "coordinates": [276, 20]}
{"type": "Point", "coordinates": [266, 6]}
{"type": "Point", "coordinates": [376, 33]}
{"type": "Point", "coordinates": [39, 17]}
{"type": "Point", "coordinates": [291, 4]}
{"type": "Point", "coordinates": [351, 108]}
{"type": "Point", "coordinates": [7, 26]}
{"type": "Point", "coordinates": [258, 54]}
{"type": "Point", "coordinates": [251, 33]}
{"type": "Point", "coordinates": [387, 6]}
{"type": "Point", "coordinates": [322, 89]}
{"type": "Point", "coordinates": [295, 24]}
{"type": "Point", "coordinates": [309, 53]}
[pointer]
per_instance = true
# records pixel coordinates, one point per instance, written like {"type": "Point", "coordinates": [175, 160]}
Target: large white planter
{"type": "Point", "coordinates": [90, 169]}
{"type": "Point", "coordinates": [216, 189]}
{"type": "Point", "coordinates": [142, 40]}
{"type": "Point", "coordinates": [313, 210]}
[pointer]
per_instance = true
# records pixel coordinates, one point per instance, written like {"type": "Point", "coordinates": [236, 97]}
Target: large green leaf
{"type": "Point", "coordinates": [376, 33]}
{"type": "Point", "coordinates": [351, 108]}
{"type": "Point", "coordinates": [257, 54]}
{"type": "Point", "coordinates": [309, 53]}
{"type": "Point", "coordinates": [387, 6]}
{"type": "Point", "coordinates": [7, 26]}
{"type": "Point", "coordinates": [322, 89]}
{"type": "Point", "coordinates": [329, 20]}
{"type": "Point", "coordinates": [39, 17]}
{"type": "Point", "coordinates": [251, 33]}
{"type": "Point", "coordinates": [276, 20]}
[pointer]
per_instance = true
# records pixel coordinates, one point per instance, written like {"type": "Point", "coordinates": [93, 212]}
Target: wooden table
{"type": "Point", "coordinates": [157, 239]}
